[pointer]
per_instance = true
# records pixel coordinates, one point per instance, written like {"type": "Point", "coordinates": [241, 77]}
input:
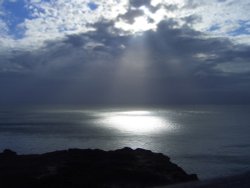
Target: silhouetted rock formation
{"type": "Point", "coordinates": [75, 168]}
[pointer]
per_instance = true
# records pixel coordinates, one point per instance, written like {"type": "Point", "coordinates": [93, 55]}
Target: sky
{"type": "Point", "coordinates": [124, 52]}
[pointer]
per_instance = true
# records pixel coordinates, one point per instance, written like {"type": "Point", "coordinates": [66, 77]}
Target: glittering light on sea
{"type": "Point", "coordinates": [137, 122]}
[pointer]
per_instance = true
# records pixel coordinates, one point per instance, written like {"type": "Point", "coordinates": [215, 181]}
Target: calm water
{"type": "Point", "coordinates": [211, 141]}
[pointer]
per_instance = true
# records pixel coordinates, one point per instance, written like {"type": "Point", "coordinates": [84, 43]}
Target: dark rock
{"type": "Point", "coordinates": [75, 168]}
{"type": "Point", "coordinates": [8, 152]}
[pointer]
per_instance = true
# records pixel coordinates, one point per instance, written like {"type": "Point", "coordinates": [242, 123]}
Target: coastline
{"type": "Point", "coordinates": [75, 168]}
{"type": "Point", "coordinates": [236, 181]}
{"type": "Point", "coordinates": [148, 169]}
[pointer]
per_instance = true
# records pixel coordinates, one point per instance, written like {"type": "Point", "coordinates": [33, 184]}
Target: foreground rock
{"type": "Point", "coordinates": [75, 168]}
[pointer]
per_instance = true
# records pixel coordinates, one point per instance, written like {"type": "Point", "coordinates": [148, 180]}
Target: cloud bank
{"type": "Point", "coordinates": [109, 58]}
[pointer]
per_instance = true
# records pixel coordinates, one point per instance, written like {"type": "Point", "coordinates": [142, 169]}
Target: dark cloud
{"type": "Point", "coordinates": [76, 41]}
{"type": "Point", "coordinates": [190, 20]}
{"type": "Point", "coordinates": [222, 1]}
{"type": "Point", "coordinates": [134, 10]}
{"type": "Point", "coordinates": [171, 7]}
{"type": "Point", "coordinates": [131, 15]}
{"type": "Point", "coordinates": [169, 65]}
{"type": "Point", "coordinates": [139, 3]}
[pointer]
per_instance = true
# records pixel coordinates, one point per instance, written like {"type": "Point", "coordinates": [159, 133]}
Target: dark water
{"type": "Point", "coordinates": [211, 141]}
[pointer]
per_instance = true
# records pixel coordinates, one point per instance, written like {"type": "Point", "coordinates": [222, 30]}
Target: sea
{"type": "Point", "coordinates": [208, 140]}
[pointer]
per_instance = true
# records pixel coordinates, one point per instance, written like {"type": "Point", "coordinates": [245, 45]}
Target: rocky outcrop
{"type": "Point", "coordinates": [78, 168]}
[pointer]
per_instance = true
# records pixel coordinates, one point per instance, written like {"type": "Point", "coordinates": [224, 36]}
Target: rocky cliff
{"type": "Point", "coordinates": [78, 168]}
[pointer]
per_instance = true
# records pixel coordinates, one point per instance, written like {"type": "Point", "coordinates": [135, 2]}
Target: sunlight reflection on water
{"type": "Point", "coordinates": [135, 122]}
{"type": "Point", "coordinates": [208, 140]}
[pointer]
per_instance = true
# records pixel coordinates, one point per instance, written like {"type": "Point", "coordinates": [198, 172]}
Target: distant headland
{"type": "Point", "coordinates": [75, 168]}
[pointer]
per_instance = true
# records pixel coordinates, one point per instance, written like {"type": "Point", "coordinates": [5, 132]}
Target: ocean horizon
{"type": "Point", "coordinates": [209, 140]}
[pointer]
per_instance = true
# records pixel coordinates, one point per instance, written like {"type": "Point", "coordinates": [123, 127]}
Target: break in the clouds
{"type": "Point", "coordinates": [124, 51]}
{"type": "Point", "coordinates": [24, 21]}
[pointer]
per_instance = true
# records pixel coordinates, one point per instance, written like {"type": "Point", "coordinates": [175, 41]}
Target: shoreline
{"type": "Point", "coordinates": [236, 181]}
{"type": "Point", "coordinates": [13, 165]}
{"type": "Point", "coordinates": [75, 168]}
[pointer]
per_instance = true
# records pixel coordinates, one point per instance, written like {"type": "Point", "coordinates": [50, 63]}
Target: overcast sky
{"type": "Point", "coordinates": [124, 52]}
